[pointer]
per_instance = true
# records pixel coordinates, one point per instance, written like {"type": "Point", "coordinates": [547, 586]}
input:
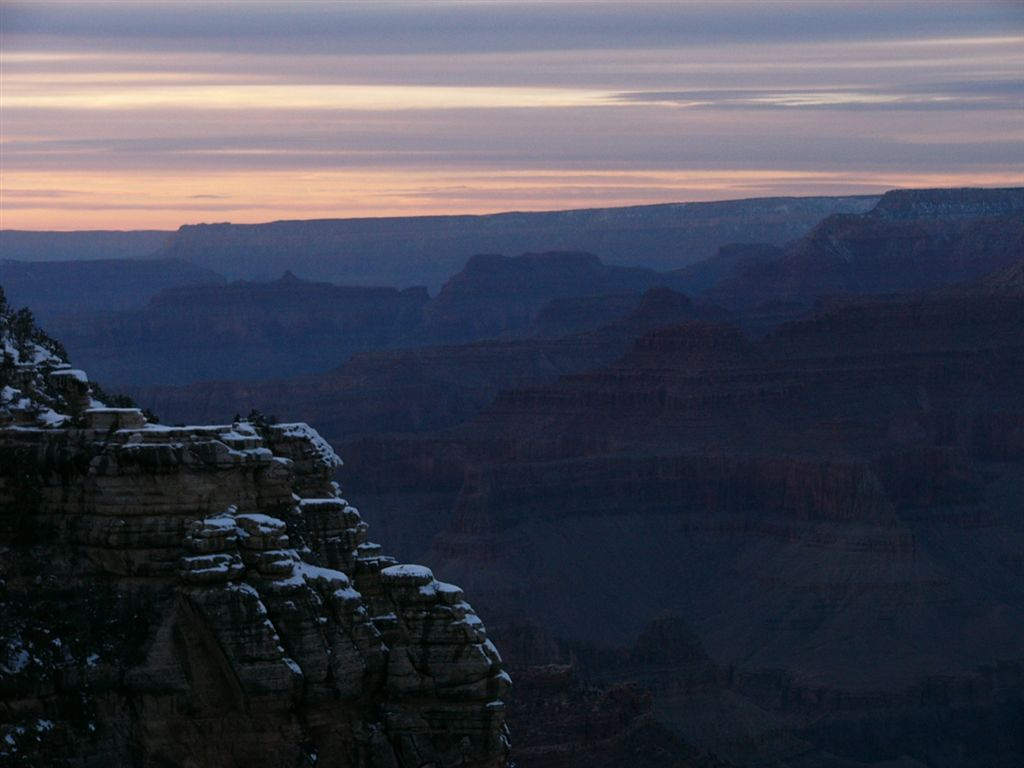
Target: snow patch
{"type": "Point", "coordinates": [293, 666]}
{"type": "Point", "coordinates": [18, 662]}
{"type": "Point", "coordinates": [408, 572]}
{"type": "Point", "coordinates": [71, 373]}
{"type": "Point", "coordinates": [314, 572]}
{"type": "Point", "coordinates": [321, 448]}
{"type": "Point", "coordinates": [273, 523]}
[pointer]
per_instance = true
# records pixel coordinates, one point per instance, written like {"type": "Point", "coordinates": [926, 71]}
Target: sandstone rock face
{"type": "Point", "coordinates": [204, 596]}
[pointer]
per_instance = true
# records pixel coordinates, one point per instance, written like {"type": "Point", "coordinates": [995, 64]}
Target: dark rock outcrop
{"type": "Point", "coordinates": [204, 596]}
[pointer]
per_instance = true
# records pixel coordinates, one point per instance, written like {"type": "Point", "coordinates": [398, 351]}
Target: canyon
{"type": "Point", "coordinates": [759, 509]}
{"type": "Point", "coordinates": [796, 498]}
{"type": "Point", "coordinates": [257, 331]}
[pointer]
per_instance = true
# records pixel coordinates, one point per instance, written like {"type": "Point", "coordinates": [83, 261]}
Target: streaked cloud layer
{"type": "Point", "coordinates": [154, 114]}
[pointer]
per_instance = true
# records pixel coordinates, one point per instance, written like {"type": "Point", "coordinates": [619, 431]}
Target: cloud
{"type": "Point", "coordinates": [174, 107]}
{"type": "Point", "coordinates": [400, 28]}
{"type": "Point", "coordinates": [998, 94]}
{"type": "Point", "coordinates": [621, 136]}
{"type": "Point", "coordinates": [290, 96]}
{"type": "Point", "coordinates": [34, 194]}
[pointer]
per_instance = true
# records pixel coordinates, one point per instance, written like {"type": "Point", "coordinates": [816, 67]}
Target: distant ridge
{"type": "Point", "coordinates": [426, 250]}
{"type": "Point", "coordinates": [912, 240]}
{"type": "Point", "coordinates": [956, 202]}
{"type": "Point", "coordinates": [66, 287]}
{"type": "Point", "coordinates": [82, 245]}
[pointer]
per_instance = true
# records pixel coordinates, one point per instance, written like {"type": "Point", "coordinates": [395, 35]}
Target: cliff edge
{"type": "Point", "coordinates": [200, 596]}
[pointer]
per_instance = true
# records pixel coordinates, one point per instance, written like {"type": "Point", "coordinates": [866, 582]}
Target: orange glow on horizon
{"type": "Point", "coordinates": [102, 129]}
{"type": "Point", "coordinates": [76, 201]}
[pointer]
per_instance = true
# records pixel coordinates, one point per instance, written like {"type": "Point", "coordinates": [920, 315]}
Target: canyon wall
{"type": "Point", "coordinates": [204, 596]}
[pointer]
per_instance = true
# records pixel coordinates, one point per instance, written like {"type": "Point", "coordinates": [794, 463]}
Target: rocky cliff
{"type": "Point", "coordinates": [246, 330]}
{"type": "Point", "coordinates": [426, 250]}
{"type": "Point", "coordinates": [63, 289]}
{"type": "Point", "coordinates": [833, 507]}
{"type": "Point", "coordinates": [495, 296]}
{"type": "Point", "coordinates": [204, 596]}
{"type": "Point", "coordinates": [26, 245]}
{"type": "Point", "coordinates": [912, 240]}
{"type": "Point", "coordinates": [425, 388]}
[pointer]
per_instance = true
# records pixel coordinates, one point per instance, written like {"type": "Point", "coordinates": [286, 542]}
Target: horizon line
{"type": "Point", "coordinates": [512, 212]}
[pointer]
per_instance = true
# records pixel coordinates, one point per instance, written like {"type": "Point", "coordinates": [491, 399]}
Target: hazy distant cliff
{"type": "Point", "coordinates": [426, 250]}
{"type": "Point", "coordinates": [912, 240]}
{"type": "Point", "coordinates": [240, 330]}
{"type": "Point", "coordinates": [255, 331]}
{"type": "Point", "coordinates": [27, 245]}
{"type": "Point", "coordinates": [65, 289]}
{"type": "Point", "coordinates": [832, 507]}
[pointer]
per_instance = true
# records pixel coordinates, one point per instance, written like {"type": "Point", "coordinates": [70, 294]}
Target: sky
{"type": "Point", "coordinates": [131, 115]}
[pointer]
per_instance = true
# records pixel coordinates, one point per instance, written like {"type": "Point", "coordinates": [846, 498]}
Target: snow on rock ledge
{"type": "Point", "coordinates": [207, 597]}
{"type": "Point", "coordinates": [316, 447]}
{"type": "Point", "coordinates": [407, 575]}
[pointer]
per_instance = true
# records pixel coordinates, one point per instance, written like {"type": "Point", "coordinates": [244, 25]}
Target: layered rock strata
{"type": "Point", "coordinates": [834, 508]}
{"type": "Point", "coordinates": [204, 596]}
{"type": "Point", "coordinates": [912, 240]}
